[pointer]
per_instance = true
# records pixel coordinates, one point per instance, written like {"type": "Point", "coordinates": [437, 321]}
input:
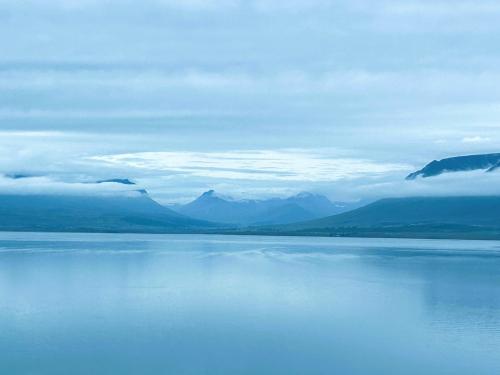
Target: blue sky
{"type": "Point", "coordinates": [252, 98]}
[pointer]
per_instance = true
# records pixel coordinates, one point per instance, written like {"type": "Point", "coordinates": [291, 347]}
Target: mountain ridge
{"type": "Point", "coordinates": [92, 213]}
{"type": "Point", "coordinates": [487, 162]}
{"type": "Point", "coordinates": [461, 217]}
{"type": "Point", "coordinates": [303, 206]}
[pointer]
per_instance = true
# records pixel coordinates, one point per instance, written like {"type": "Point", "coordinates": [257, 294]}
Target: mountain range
{"type": "Point", "coordinates": [133, 210]}
{"type": "Point", "coordinates": [211, 206]}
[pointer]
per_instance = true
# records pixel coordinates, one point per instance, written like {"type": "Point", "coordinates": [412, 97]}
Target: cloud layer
{"type": "Point", "coordinates": [260, 165]}
{"type": "Point", "coordinates": [53, 186]}
{"type": "Point", "coordinates": [246, 96]}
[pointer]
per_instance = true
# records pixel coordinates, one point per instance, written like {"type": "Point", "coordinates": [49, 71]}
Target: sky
{"type": "Point", "coordinates": [251, 98]}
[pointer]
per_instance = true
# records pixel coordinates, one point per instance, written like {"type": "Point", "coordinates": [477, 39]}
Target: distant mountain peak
{"type": "Point", "coordinates": [213, 195]}
{"type": "Point", "coordinates": [487, 162]}
{"type": "Point", "coordinates": [19, 176]}
{"type": "Point", "coordinates": [305, 194]}
{"type": "Point", "coordinates": [123, 181]}
{"type": "Point", "coordinates": [212, 206]}
{"type": "Point", "coordinates": [209, 193]}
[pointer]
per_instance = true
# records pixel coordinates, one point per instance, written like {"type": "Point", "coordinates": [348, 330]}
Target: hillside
{"type": "Point", "coordinates": [425, 217]}
{"type": "Point", "coordinates": [487, 162]}
{"type": "Point", "coordinates": [126, 213]}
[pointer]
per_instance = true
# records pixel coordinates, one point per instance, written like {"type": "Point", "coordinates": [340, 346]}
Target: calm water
{"type": "Point", "coordinates": [180, 304]}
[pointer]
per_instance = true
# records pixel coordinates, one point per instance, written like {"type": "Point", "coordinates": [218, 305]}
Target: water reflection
{"type": "Point", "coordinates": [138, 304]}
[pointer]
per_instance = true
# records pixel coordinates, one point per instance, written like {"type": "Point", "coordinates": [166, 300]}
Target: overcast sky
{"type": "Point", "coordinates": [252, 98]}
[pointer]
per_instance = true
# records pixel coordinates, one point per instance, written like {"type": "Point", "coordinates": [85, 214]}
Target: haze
{"type": "Point", "coordinates": [252, 98]}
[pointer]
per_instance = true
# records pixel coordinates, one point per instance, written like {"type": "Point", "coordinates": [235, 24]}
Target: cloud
{"type": "Point", "coordinates": [410, 7]}
{"type": "Point", "coordinates": [56, 152]}
{"type": "Point", "coordinates": [31, 134]}
{"type": "Point", "coordinates": [92, 114]}
{"type": "Point", "coordinates": [109, 76]}
{"type": "Point", "coordinates": [63, 160]}
{"type": "Point", "coordinates": [292, 5]}
{"type": "Point", "coordinates": [448, 184]}
{"type": "Point", "coordinates": [259, 165]}
{"type": "Point", "coordinates": [238, 80]}
{"type": "Point", "coordinates": [184, 5]}
{"type": "Point", "coordinates": [476, 139]}
{"type": "Point", "coordinates": [199, 78]}
{"type": "Point", "coordinates": [53, 186]}
{"type": "Point", "coordinates": [74, 5]}
{"type": "Point", "coordinates": [244, 95]}
{"type": "Point", "coordinates": [442, 8]}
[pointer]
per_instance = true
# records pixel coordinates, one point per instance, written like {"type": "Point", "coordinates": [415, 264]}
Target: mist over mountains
{"type": "Point", "coordinates": [304, 206]}
{"type": "Point", "coordinates": [110, 209]}
{"type": "Point", "coordinates": [30, 202]}
{"type": "Point", "coordinates": [487, 162]}
{"type": "Point", "coordinates": [462, 217]}
{"type": "Point", "coordinates": [78, 213]}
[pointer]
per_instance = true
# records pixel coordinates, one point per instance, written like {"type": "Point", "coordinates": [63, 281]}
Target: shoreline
{"type": "Point", "coordinates": [495, 236]}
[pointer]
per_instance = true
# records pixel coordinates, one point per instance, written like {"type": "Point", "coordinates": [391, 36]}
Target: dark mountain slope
{"type": "Point", "coordinates": [425, 210]}
{"type": "Point", "coordinates": [123, 181]}
{"type": "Point", "coordinates": [475, 217]}
{"type": "Point", "coordinates": [133, 213]}
{"type": "Point", "coordinates": [488, 162]}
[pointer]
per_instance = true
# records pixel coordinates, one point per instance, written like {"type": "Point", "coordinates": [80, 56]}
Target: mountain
{"type": "Point", "coordinates": [18, 176]}
{"type": "Point", "coordinates": [426, 217]}
{"type": "Point", "coordinates": [305, 206]}
{"type": "Point", "coordinates": [122, 181]}
{"type": "Point", "coordinates": [133, 212]}
{"type": "Point", "coordinates": [487, 162]}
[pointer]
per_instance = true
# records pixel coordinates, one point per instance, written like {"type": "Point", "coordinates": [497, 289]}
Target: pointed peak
{"type": "Point", "coordinates": [210, 193]}
{"type": "Point", "coordinates": [305, 194]}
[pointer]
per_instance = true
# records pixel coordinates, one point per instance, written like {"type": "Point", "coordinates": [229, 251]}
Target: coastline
{"type": "Point", "coordinates": [362, 233]}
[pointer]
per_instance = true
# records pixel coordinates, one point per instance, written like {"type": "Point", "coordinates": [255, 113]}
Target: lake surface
{"type": "Point", "coordinates": [193, 304]}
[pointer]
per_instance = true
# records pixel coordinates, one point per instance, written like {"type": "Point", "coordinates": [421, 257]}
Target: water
{"type": "Point", "coordinates": [189, 304]}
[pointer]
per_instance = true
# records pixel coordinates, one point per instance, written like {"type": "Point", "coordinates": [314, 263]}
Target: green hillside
{"type": "Point", "coordinates": [419, 217]}
{"type": "Point", "coordinates": [66, 213]}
